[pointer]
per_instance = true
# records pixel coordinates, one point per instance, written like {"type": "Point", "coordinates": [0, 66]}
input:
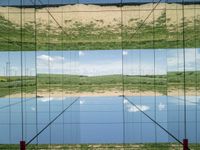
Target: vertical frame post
{"type": "Point", "coordinates": [22, 145]}
{"type": "Point", "coordinates": [185, 144]}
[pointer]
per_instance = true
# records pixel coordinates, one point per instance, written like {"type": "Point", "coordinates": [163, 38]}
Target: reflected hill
{"type": "Point", "coordinates": [93, 27]}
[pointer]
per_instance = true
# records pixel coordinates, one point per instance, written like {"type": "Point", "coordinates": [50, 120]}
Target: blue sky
{"type": "Point", "coordinates": [13, 59]}
{"type": "Point", "coordinates": [28, 2]}
{"type": "Point", "coordinates": [94, 63]}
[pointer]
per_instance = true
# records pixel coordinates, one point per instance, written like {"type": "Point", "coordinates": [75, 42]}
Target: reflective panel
{"type": "Point", "coordinates": [99, 74]}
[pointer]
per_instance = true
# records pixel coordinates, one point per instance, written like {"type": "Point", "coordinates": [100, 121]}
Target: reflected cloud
{"type": "Point", "coordinates": [46, 99]}
{"type": "Point", "coordinates": [161, 106]}
{"type": "Point", "coordinates": [125, 52]}
{"type": "Point", "coordinates": [92, 65]}
{"type": "Point", "coordinates": [81, 53]}
{"type": "Point", "coordinates": [56, 64]}
{"type": "Point", "coordinates": [82, 102]}
{"type": "Point", "coordinates": [49, 59]}
{"type": "Point", "coordinates": [131, 108]}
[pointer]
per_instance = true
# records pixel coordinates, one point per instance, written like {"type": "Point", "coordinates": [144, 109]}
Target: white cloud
{"type": "Point", "coordinates": [96, 68]}
{"type": "Point", "coordinates": [46, 59]}
{"type": "Point", "coordinates": [125, 52]}
{"type": "Point", "coordinates": [126, 101]}
{"type": "Point", "coordinates": [82, 102]}
{"type": "Point", "coordinates": [56, 65]}
{"type": "Point", "coordinates": [141, 107]}
{"type": "Point", "coordinates": [108, 67]}
{"type": "Point", "coordinates": [137, 108]}
{"type": "Point", "coordinates": [43, 58]}
{"type": "Point", "coordinates": [81, 53]}
{"type": "Point", "coordinates": [161, 106]}
{"type": "Point", "coordinates": [46, 99]}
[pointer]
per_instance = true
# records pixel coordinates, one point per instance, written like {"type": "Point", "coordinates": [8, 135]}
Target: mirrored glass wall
{"type": "Point", "coordinates": [125, 70]}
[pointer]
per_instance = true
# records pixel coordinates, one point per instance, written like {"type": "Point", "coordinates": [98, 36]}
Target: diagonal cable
{"type": "Point", "coordinates": [52, 121]}
{"type": "Point", "coordinates": [139, 27]}
{"type": "Point", "coordinates": [137, 30]}
{"type": "Point", "coordinates": [49, 12]}
{"type": "Point", "coordinates": [154, 121]}
{"type": "Point", "coordinates": [12, 104]}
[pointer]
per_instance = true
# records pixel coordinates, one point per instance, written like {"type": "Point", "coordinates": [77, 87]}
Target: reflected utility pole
{"type": "Point", "coordinates": [7, 70]}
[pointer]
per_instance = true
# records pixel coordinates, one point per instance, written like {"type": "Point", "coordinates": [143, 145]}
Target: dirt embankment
{"type": "Point", "coordinates": [101, 15]}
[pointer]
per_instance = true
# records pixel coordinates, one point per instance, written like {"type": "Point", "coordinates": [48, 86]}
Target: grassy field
{"type": "Point", "coordinates": [162, 84]}
{"type": "Point", "coordinates": [79, 36]}
{"type": "Point", "coordinates": [158, 146]}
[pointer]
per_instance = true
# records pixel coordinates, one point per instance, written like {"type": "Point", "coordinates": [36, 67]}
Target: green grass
{"type": "Point", "coordinates": [99, 84]}
{"type": "Point", "coordinates": [91, 36]}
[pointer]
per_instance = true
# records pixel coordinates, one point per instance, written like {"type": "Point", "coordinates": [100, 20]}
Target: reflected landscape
{"type": "Point", "coordinates": [146, 72]}
{"type": "Point", "coordinates": [111, 91]}
{"type": "Point", "coordinates": [97, 74]}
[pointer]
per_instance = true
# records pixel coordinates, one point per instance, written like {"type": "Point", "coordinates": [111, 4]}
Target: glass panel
{"type": "Point", "coordinates": [104, 72]}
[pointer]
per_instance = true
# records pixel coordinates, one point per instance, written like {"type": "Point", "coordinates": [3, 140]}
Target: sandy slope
{"type": "Point", "coordinates": [101, 15]}
{"type": "Point", "coordinates": [105, 93]}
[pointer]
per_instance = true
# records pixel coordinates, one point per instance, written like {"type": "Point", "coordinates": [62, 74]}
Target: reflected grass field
{"type": "Point", "coordinates": [79, 36]}
{"type": "Point", "coordinates": [172, 82]}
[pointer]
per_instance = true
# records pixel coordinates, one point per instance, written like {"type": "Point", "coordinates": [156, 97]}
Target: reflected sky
{"type": "Point", "coordinates": [100, 119]}
{"type": "Point", "coordinates": [176, 61]}
{"type": "Point", "coordinates": [102, 62]}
